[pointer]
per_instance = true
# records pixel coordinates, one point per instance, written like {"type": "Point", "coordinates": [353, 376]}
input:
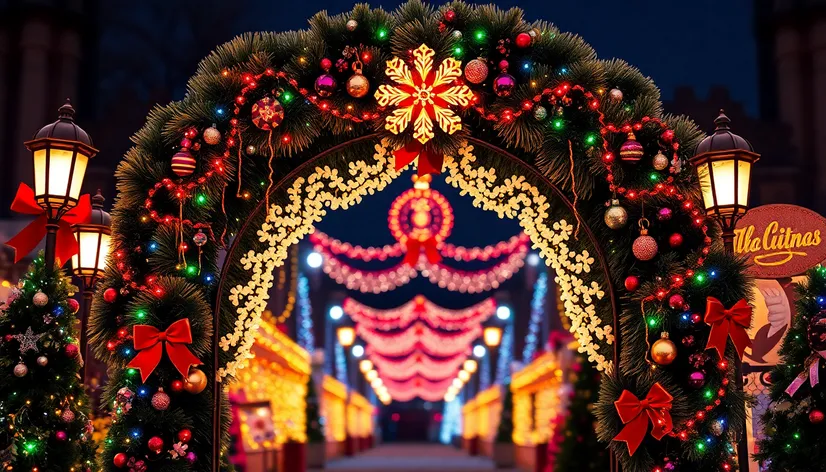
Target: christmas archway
{"type": "Point", "coordinates": [276, 128]}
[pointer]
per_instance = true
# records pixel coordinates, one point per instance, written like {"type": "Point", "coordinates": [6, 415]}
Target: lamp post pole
{"type": "Point", "coordinates": [51, 242]}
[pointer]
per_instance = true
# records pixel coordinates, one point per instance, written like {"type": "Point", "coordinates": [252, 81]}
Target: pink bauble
{"type": "Point", "coordinates": [325, 85]}
{"type": "Point", "coordinates": [676, 301]}
{"type": "Point", "coordinates": [183, 163]}
{"type": "Point", "coordinates": [476, 71]}
{"type": "Point", "coordinates": [664, 214]}
{"type": "Point", "coordinates": [816, 416]}
{"type": "Point", "coordinates": [191, 457]}
{"type": "Point", "coordinates": [72, 350]}
{"type": "Point", "coordinates": [644, 247]}
{"type": "Point", "coordinates": [696, 379]}
{"type": "Point", "coordinates": [67, 416]}
{"type": "Point", "coordinates": [155, 444]}
{"type": "Point", "coordinates": [110, 295]}
{"type": "Point", "coordinates": [504, 84]}
{"type": "Point", "coordinates": [74, 305]}
{"type": "Point", "coordinates": [60, 435]}
{"type": "Point", "coordinates": [160, 400]}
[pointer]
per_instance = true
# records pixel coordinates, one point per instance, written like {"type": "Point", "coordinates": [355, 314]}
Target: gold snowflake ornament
{"type": "Point", "coordinates": [422, 97]}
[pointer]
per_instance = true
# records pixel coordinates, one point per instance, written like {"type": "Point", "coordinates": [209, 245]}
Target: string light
{"type": "Point", "coordinates": [419, 309]}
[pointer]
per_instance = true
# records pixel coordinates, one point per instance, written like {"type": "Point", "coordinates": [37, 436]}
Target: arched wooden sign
{"type": "Point", "coordinates": [780, 240]}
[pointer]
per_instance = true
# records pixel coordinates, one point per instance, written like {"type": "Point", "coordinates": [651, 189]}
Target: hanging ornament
{"type": "Point", "coordinates": [663, 351]}
{"type": "Point", "coordinates": [183, 163]}
{"type": "Point", "coordinates": [632, 283]}
{"type": "Point", "coordinates": [352, 24]}
{"type": "Point", "coordinates": [675, 240]}
{"type": "Point", "coordinates": [68, 415]}
{"type": "Point", "coordinates": [450, 16]}
{"type": "Point", "coordinates": [676, 301]}
{"type": "Point", "coordinates": [358, 85]}
{"type": "Point", "coordinates": [615, 216]}
{"type": "Point", "coordinates": [644, 247]}
{"type": "Point", "coordinates": [155, 444]}
{"type": "Point", "coordinates": [60, 436]}
{"type": "Point", "coordinates": [815, 416]}
{"type": "Point", "coordinates": [20, 370]}
{"type": "Point", "coordinates": [160, 400]}
{"type": "Point", "coordinates": [195, 382]}
{"type": "Point", "coordinates": [326, 64]}
{"type": "Point", "coordinates": [191, 457]}
{"type": "Point", "coordinates": [540, 113]}
{"type": "Point", "coordinates": [504, 84]}
{"type": "Point", "coordinates": [523, 40]}
{"type": "Point", "coordinates": [212, 136]}
{"type": "Point", "coordinates": [71, 351]}
{"type": "Point", "coordinates": [74, 305]}
{"type": "Point", "coordinates": [40, 299]}
{"type": "Point", "coordinates": [177, 386]}
{"type": "Point", "coordinates": [42, 361]}
{"type": "Point", "coordinates": [200, 238]}
{"type": "Point", "coordinates": [615, 95]}
{"type": "Point", "coordinates": [660, 162]}
{"type": "Point", "coordinates": [120, 460]}
{"type": "Point", "coordinates": [718, 428]}
{"type": "Point", "coordinates": [664, 214]}
{"type": "Point", "coordinates": [696, 379]}
{"type": "Point", "coordinates": [631, 150]}
{"type": "Point", "coordinates": [325, 85]}
{"type": "Point", "coordinates": [457, 35]}
{"type": "Point", "coordinates": [267, 113]}
{"type": "Point", "coordinates": [184, 435]}
{"type": "Point", "coordinates": [476, 71]}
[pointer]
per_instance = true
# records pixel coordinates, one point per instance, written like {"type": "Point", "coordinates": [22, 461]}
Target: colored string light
{"type": "Point", "coordinates": [540, 291]}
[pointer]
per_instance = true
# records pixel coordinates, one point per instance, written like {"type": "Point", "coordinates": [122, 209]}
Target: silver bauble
{"type": "Point", "coordinates": [457, 35]}
{"type": "Point", "coordinates": [352, 25]}
{"type": "Point", "coordinates": [616, 216]}
{"type": "Point", "coordinates": [42, 361]}
{"type": "Point", "coordinates": [615, 94]}
{"type": "Point", "coordinates": [540, 113]}
{"type": "Point", "coordinates": [20, 370]}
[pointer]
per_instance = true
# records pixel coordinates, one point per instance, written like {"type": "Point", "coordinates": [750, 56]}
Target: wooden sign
{"type": "Point", "coordinates": [780, 240]}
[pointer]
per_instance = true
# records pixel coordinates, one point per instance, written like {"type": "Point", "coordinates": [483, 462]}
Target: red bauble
{"type": "Point", "coordinates": [74, 305]}
{"type": "Point", "coordinates": [326, 64]}
{"type": "Point", "coordinates": [503, 65]}
{"type": "Point", "coordinates": [675, 240]}
{"type": "Point", "coordinates": [632, 283]}
{"type": "Point", "coordinates": [110, 295]}
{"type": "Point", "coordinates": [120, 459]}
{"type": "Point", "coordinates": [184, 435]}
{"type": "Point", "coordinates": [155, 444]}
{"type": "Point", "coordinates": [815, 416]}
{"type": "Point", "coordinates": [644, 247]}
{"type": "Point", "coordinates": [523, 40]}
{"type": "Point", "coordinates": [676, 301]}
{"type": "Point", "coordinates": [177, 386]}
{"type": "Point", "coordinates": [72, 350]}
{"type": "Point", "coordinates": [476, 71]}
{"type": "Point", "coordinates": [450, 15]}
{"type": "Point", "coordinates": [160, 400]}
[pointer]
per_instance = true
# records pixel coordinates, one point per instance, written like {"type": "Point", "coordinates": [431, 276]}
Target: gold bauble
{"type": "Point", "coordinates": [663, 351]}
{"type": "Point", "coordinates": [195, 382]}
{"type": "Point", "coordinates": [615, 216]}
{"type": "Point", "coordinates": [660, 161]}
{"type": "Point", "coordinates": [358, 85]}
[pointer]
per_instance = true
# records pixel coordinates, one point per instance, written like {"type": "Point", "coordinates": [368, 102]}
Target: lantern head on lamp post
{"type": "Point", "coordinates": [61, 153]}
{"type": "Point", "coordinates": [346, 336]}
{"type": "Point", "coordinates": [724, 162]}
{"type": "Point", "coordinates": [492, 335]}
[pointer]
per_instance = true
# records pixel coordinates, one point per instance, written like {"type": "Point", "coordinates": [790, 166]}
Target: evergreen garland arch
{"type": "Point", "coordinates": [562, 120]}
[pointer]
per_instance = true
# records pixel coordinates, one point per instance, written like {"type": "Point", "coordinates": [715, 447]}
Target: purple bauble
{"type": "Point", "coordinates": [60, 435]}
{"type": "Point", "coordinates": [504, 84]}
{"type": "Point", "coordinates": [697, 379]}
{"type": "Point", "coordinates": [325, 85]}
{"type": "Point", "coordinates": [664, 214]}
{"type": "Point", "coordinates": [191, 457]}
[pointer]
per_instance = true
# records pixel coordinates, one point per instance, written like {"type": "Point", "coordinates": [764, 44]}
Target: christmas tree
{"type": "Point", "coordinates": [504, 433]}
{"type": "Point", "coordinates": [315, 431]}
{"type": "Point", "coordinates": [793, 423]}
{"type": "Point", "coordinates": [44, 410]}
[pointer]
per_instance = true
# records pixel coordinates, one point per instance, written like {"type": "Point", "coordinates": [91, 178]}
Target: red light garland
{"type": "Point", "coordinates": [419, 309]}
{"type": "Point", "coordinates": [418, 336]}
{"type": "Point", "coordinates": [418, 363]}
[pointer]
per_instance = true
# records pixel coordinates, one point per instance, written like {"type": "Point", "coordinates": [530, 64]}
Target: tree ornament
{"type": "Point", "coordinates": [326, 64]}
{"type": "Point", "coordinates": [632, 283]}
{"type": "Point", "coordinates": [476, 71]}
{"type": "Point", "coordinates": [42, 361]}
{"type": "Point", "coordinates": [74, 306]}
{"type": "Point", "coordinates": [504, 84]}
{"type": "Point", "coordinates": [675, 240]}
{"type": "Point", "coordinates": [540, 113]}
{"type": "Point", "coordinates": [68, 415]}
{"type": "Point", "coordinates": [631, 150]}
{"type": "Point", "coordinates": [644, 247]}
{"type": "Point", "coordinates": [155, 444]}
{"type": "Point", "coordinates": [664, 214]}
{"type": "Point", "coordinates": [267, 113]}
{"type": "Point", "coordinates": [663, 351]}
{"type": "Point", "coordinates": [450, 16]}
{"type": "Point", "coordinates": [60, 436]}
{"type": "Point", "coordinates": [40, 299]}
{"type": "Point", "coordinates": [615, 216]}
{"type": "Point", "coordinates": [696, 379]}
{"type": "Point", "coordinates": [212, 136]}
{"type": "Point", "coordinates": [160, 400]}
{"type": "Point", "coordinates": [71, 351]}
{"type": "Point", "coordinates": [20, 370]}
{"type": "Point", "coordinates": [196, 381]}
{"type": "Point", "coordinates": [177, 386]}
{"type": "Point", "coordinates": [325, 85]}
{"type": "Point", "coordinates": [184, 435]}
{"type": "Point", "coordinates": [615, 95]}
{"type": "Point", "coordinates": [816, 331]}
{"type": "Point", "coordinates": [815, 416]}
{"type": "Point", "coordinates": [200, 238]}
{"type": "Point", "coordinates": [660, 162]}
{"type": "Point", "coordinates": [523, 40]}
{"type": "Point", "coordinates": [28, 340]}
{"type": "Point", "coordinates": [358, 85]}
{"type": "Point", "coordinates": [183, 163]}
{"type": "Point", "coordinates": [676, 301]}
{"type": "Point", "coordinates": [191, 457]}
{"type": "Point", "coordinates": [718, 428]}
{"type": "Point", "coordinates": [457, 35]}
{"type": "Point", "coordinates": [503, 65]}
{"type": "Point", "coordinates": [352, 24]}
{"type": "Point", "coordinates": [120, 460]}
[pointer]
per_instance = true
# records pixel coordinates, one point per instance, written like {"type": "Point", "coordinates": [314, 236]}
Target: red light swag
{"type": "Point", "coordinates": [418, 364]}
{"type": "Point", "coordinates": [425, 389]}
{"type": "Point", "coordinates": [419, 309]}
{"type": "Point", "coordinates": [418, 336]}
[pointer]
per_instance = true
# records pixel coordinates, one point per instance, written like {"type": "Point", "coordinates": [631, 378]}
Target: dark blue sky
{"type": "Point", "coordinates": [698, 43]}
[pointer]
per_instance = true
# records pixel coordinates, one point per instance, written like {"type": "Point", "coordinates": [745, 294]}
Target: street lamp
{"type": "Point", "coordinates": [492, 335]}
{"type": "Point", "coordinates": [346, 336]}
{"type": "Point", "coordinates": [89, 263]}
{"type": "Point", "coordinates": [723, 162]}
{"type": "Point", "coordinates": [61, 153]}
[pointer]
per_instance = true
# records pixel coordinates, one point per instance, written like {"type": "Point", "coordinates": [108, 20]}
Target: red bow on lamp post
{"type": "Point", "coordinates": [149, 342]}
{"type": "Point", "coordinates": [26, 240]}
{"type": "Point", "coordinates": [635, 414]}
{"type": "Point", "coordinates": [728, 322]}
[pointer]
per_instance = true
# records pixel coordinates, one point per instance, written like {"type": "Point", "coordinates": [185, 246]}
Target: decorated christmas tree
{"type": "Point", "coordinates": [44, 412]}
{"type": "Point", "coordinates": [793, 423]}
{"type": "Point", "coordinates": [504, 433]}
{"type": "Point", "coordinates": [315, 430]}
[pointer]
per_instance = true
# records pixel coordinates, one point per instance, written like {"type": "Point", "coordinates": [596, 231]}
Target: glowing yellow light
{"type": "Point", "coordinates": [464, 375]}
{"type": "Point", "coordinates": [470, 365]}
{"type": "Point", "coordinates": [365, 366]}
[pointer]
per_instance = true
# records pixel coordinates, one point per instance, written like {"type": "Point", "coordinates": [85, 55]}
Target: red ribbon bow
{"type": "Point", "coordinates": [25, 241]}
{"type": "Point", "coordinates": [415, 247]}
{"type": "Point", "coordinates": [635, 414]}
{"type": "Point", "coordinates": [149, 339]}
{"type": "Point", "coordinates": [429, 161]}
{"type": "Point", "coordinates": [732, 322]}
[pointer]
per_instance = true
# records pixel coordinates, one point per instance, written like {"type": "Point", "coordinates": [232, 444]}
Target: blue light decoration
{"type": "Point", "coordinates": [305, 319]}
{"type": "Point", "coordinates": [540, 291]}
{"type": "Point", "coordinates": [484, 373]}
{"type": "Point", "coordinates": [503, 371]}
{"type": "Point", "coordinates": [341, 364]}
{"type": "Point", "coordinates": [451, 421]}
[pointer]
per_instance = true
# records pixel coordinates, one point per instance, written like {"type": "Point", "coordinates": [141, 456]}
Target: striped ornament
{"type": "Point", "coordinates": [183, 164]}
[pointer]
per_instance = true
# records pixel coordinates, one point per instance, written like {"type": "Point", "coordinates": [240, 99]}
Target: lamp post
{"type": "Point", "coordinates": [89, 264]}
{"type": "Point", "coordinates": [723, 162]}
{"type": "Point", "coordinates": [61, 153]}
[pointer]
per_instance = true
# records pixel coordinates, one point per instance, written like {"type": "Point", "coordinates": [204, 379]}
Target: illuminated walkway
{"type": "Point", "coordinates": [412, 458]}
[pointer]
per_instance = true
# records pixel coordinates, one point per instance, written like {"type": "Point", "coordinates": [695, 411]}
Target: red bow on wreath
{"type": "Point", "coordinates": [25, 241]}
{"type": "Point", "coordinates": [728, 322]}
{"type": "Point", "coordinates": [635, 414]}
{"type": "Point", "coordinates": [429, 161]}
{"type": "Point", "coordinates": [149, 339]}
{"type": "Point", "coordinates": [415, 247]}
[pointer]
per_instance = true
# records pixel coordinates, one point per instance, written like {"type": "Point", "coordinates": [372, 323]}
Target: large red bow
{"type": "Point", "coordinates": [148, 341]}
{"type": "Point", "coordinates": [415, 247]}
{"type": "Point", "coordinates": [732, 322]}
{"type": "Point", "coordinates": [25, 241]}
{"type": "Point", "coordinates": [429, 161]}
{"type": "Point", "coordinates": [635, 414]}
